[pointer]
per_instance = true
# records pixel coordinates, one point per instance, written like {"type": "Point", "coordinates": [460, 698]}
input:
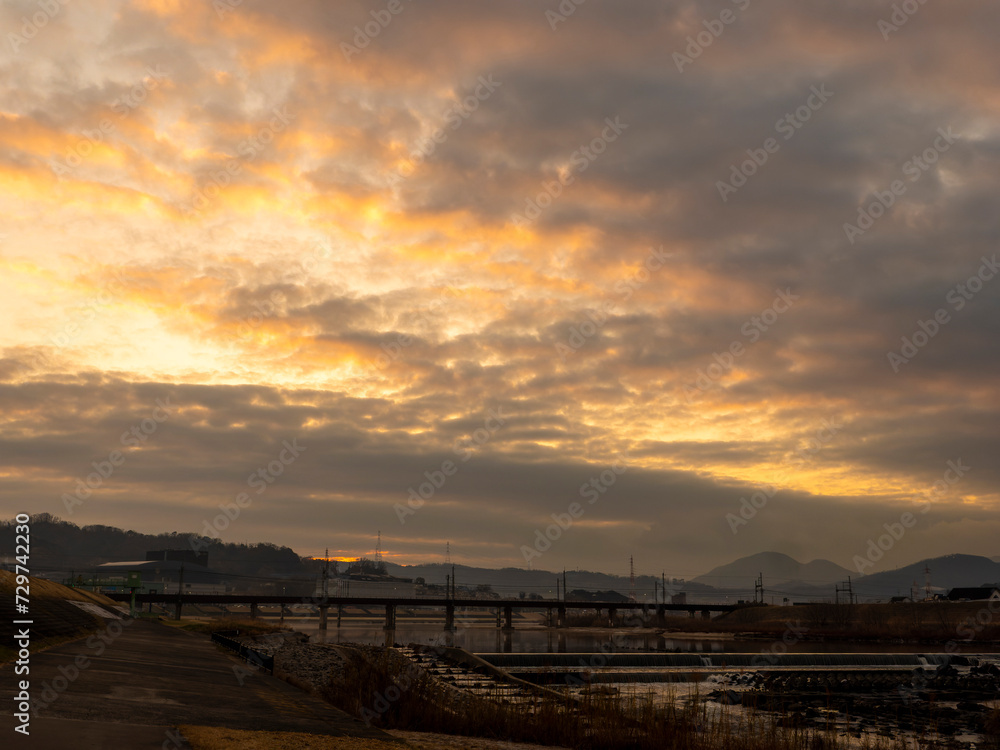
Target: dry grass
{"type": "Point", "coordinates": [221, 738]}
{"type": "Point", "coordinates": [53, 623]}
{"type": "Point", "coordinates": [920, 621]}
{"type": "Point", "coordinates": [244, 625]}
{"type": "Point", "coordinates": [45, 589]}
{"type": "Point", "coordinates": [596, 722]}
{"type": "Point", "coordinates": [217, 738]}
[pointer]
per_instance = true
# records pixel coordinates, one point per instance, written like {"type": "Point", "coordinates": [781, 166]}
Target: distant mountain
{"type": "Point", "coordinates": [948, 572]}
{"type": "Point", "coordinates": [995, 559]}
{"type": "Point", "coordinates": [777, 569]}
{"type": "Point", "coordinates": [514, 581]}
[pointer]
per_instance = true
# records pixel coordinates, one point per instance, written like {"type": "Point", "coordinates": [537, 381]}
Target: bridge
{"type": "Point", "coordinates": [507, 606]}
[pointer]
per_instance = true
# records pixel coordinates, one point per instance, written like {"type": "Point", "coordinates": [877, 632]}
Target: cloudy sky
{"type": "Point", "coordinates": [507, 248]}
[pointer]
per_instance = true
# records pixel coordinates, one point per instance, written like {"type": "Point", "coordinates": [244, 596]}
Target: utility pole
{"type": "Point", "coordinates": [663, 585]}
{"type": "Point", "coordinates": [452, 581]}
{"type": "Point", "coordinates": [564, 584]}
{"type": "Point", "coordinates": [557, 588]}
{"type": "Point", "coordinates": [846, 588]}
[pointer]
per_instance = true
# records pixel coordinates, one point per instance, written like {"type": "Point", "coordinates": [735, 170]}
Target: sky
{"type": "Point", "coordinates": [552, 284]}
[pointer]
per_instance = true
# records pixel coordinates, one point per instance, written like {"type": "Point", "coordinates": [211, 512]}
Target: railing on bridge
{"type": "Point", "coordinates": [249, 655]}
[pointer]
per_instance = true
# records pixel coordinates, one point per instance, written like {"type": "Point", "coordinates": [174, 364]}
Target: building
{"type": "Point", "coordinates": [373, 586]}
{"type": "Point", "coordinates": [976, 594]}
{"type": "Point", "coordinates": [183, 555]}
{"type": "Point", "coordinates": [162, 576]}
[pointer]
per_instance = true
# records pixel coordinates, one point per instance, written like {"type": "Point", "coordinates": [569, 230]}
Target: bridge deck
{"type": "Point", "coordinates": [412, 602]}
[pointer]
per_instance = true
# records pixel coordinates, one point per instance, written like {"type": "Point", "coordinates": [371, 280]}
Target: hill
{"type": "Point", "coordinates": [60, 548]}
{"type": "Point", "coordinates": [777, 569]}
{"type": "Point", "coordinates": [514, 581]}
{"type": "Point", "coordinates": [948, 572]}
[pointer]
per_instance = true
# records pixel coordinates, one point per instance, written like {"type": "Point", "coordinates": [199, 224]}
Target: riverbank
{"type": "Point", "coordinates": [433, 688]}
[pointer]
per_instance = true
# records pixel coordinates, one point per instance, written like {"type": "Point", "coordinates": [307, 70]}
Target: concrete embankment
{"type": "Point", "coordinates": [132, 683]}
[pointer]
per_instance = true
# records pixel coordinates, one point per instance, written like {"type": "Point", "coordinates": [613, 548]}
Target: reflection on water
{"type": "Point", "coordinates": [483, 638]}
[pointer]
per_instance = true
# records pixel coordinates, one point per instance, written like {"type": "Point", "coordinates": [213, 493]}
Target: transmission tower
{"type": "Point", "coordinates": [846, 588]}
{"type": "Point", "coordinates": [927, 582]}
{"type": "Point", "coordinates": [378, 550]}
{"type": "Point", "coordinates": [631, 579]}
{"type": "Point", "coordinates": [447, 553]}
{"type": "Point", "coordinates": [326, 574]}
{"type": "Point", "coordinates": [758, 589]}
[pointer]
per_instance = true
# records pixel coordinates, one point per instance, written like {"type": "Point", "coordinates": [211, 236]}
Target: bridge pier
{"type": "Point", "coordinates": [691, 613]}
{"type": "Point", "coordinates": [253, 610]}
{"type": "Point", "coordinates": [706, 615]}
{"type": "Point", "coordinates": [323, 611]}
{"type": "Point", "coordinates": [561, 617]}
{"type": "Point", "coordinates": [177, 610]}
{"type": "Point", "coordinates": [661, 616]}
{"type": "Point", "coordinates": [611, 616]}
{"type": "Point", "coordinates": [449, 617]}
{"type": "Point", "coordinates": [508, 618]}
{"type": "Point", "coordinates": [390, 617]}
{"type": "Point", "coordinates": [340, 613]}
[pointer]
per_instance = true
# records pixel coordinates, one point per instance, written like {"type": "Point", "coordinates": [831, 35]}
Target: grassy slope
{"type": "Point", "coordinates": [940, 621]}
{"type": "Point", "coordinates": [55, 619]}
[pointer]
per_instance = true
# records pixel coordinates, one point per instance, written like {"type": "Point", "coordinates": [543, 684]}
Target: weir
{"type": "Point", "coordinates": [762, 660]}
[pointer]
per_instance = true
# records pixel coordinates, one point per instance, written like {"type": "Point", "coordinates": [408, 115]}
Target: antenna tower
{"type": "Point", "coordinates": [326, 574]}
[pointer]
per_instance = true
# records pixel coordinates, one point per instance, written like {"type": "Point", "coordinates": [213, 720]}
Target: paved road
{"type": "Point", "coordinates": [134, 688]}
